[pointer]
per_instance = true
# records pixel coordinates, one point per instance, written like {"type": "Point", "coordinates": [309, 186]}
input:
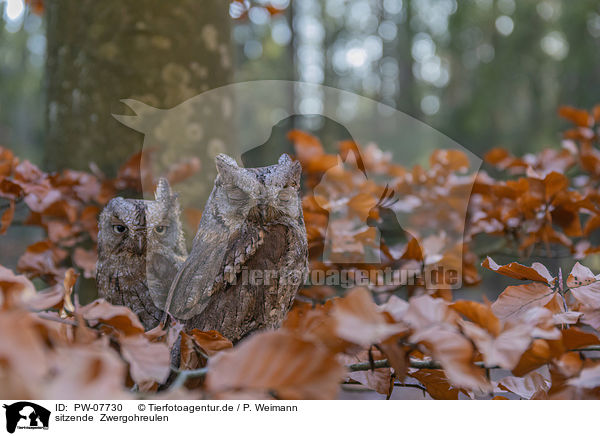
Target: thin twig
{"type": "Point", "coordinates": [414, 363]}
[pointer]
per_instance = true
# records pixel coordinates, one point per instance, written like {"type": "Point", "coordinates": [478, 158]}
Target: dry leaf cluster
{"type": "Point", "coordinates": [538, 339]}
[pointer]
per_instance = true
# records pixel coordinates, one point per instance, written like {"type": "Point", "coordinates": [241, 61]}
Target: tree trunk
{"type": "Point", "coordinates": [99, 52]}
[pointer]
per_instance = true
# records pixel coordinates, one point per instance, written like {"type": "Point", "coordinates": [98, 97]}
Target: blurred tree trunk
{"type": "Point", "coordinates": [100, 52]}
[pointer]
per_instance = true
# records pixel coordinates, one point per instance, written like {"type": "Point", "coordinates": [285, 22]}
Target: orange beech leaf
{"type": "Point", "coordinates": [361, 204]}
{"type": "Point", "coordinates": [539, 353]}
{"type": "Point", "coordinates": [148, 361]}
{"type": "Point", "coordinates": [505, 349]}
{"type": "Point", "coordinates": [578, 116]}
{"type": "Point", "coordinates": [453, 160]}
{"type": "Point", "coordinates": [536, 272]}
{"type": "Point", "coordinates": [591, 224]}
{"type": "Point", "coordinates": [574, 338]}
{"type": "Point", "coordinates": [378, 379]}
{"type": "Point", "coordinates": [526, 386]}
{"type": "Point", "coordinates": [46, 299]}
{"type": "Point", "coordinates": [211, 341]}
{"type": "Point", "coordinates": [41, 260]}
{"type": "Point", "coordinates": [480, 314]}
{"type": "Point", "coordinates": [14, 288]}
{"type": "Point", "coordinates": [360, 321]}
{"type": "Point", "coordinates": [307, 147]}
{"type": "Point", "coordinates": [588, 295]}
{"type": "Point", "coordinates": [317, 325]}
{"type": "Point", "coordinates": [591, 317]}
{"type": "Point", "coordinates": [436, 383]}
{"type": "Point", "coordinates": [397, 356]}
{"type": "Point", "coordinates": [279, 362]}
{"type": "Point", "coordinates": [580, 275]}
{"type": "Point", "coordinates": [396, 307]}
{"type": "Point", "coordinates": [22, 350]}
{"type": "Point", "coordinates": [90, 372]}
{"type": "Point", "coordinates": [589, 378]}
{"type": "Point", "coordinates": [191, 355]}
{"type": "Point", "coordinates": [86, 260]}
{"type": "Point", "coordinates": [514, 301]}
{"type": "Point", "coordinates": [434, 325]}
{"type": "Point", "coordinates": [7, 217]}
{"type": "Point", "coordinates": [120, 318]}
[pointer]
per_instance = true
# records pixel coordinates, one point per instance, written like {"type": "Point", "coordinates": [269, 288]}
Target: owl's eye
{"type": "Point", "coordinates": [236, 194]}
{"type": "Point", "coordinates": [285, 196]}
{"type": "Point", "coordinates": [119, 228]}
{"type": "Point", "coordinates": [160, 229]}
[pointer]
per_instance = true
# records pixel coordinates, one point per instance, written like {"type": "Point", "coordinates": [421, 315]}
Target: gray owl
{"type": "Point", "coordinates": [140, 248]}
{"type": "Point", "coordinates": [249, 255]}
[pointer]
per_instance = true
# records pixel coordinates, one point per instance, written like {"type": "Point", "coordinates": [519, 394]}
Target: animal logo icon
{"type": "Point", "coordinates": [26, 415]}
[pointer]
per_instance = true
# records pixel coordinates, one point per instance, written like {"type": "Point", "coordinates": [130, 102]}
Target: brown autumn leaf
{"type": "Point", "coordinates": [584, 286]}
{"type": "Point", "coordinates": [7, 217]}
{"type": "Point", "coordinates": [22, 350]}
{"type": "Point", "coordinates": [580, 275]}
{"type": "Point", "coordinates": [591, 317]}
{"type": "Point", "coordinates": [211, 341]}
{"type": "Point", "coordinates": [480, 314]}
{"type": "Point", "coordinates": [68, 285]}
{"type": "Point", "coordinates": [148, 361]}
{"type": "Point", "coordinates": [589, 378]}
{"type": "Point", "coordinates": [539, 353]}
{"type": "Point", "coordinates": [279, 362]}
{"type": "Point", "coordinates": [526, 386]}
{"type": "Point", "coordinates": [120, 318]}
{"type": "Point", "coordinates": [86, 260]}
{"type": "Point", "coordinates": [41, 260]}
{"type": "Point", "coordinates": [503, 350]}
{"type": "Point", "coordinates": [536, 272]}
{"type": "Point", "coordinates": [378, 379]}
{"type": "Point", "coordinates": [307, 147]}
{"type": "Point", "coordinates": [14, 289]}
{"type": "Point", "coordinates": [436, 383]}
{"type": "Point", "coordinates": [579, 117]}
{"type": "Point", "coordinates": [87, 372]}
{"type": "Point", "coordinates": [574, 338]}
{"type": "Point", "coordinates": [514, 301]}
{"type": "Point", "coordinates": [191, 355]}
{"type": "Point", "coordinates": [46, 299]}
{"type": "Point", "coordinates": [434, 325]}
{"type": "Point", "coordinates": [360, 321]}
{"type": "Point", "coordinates": [316, 325]}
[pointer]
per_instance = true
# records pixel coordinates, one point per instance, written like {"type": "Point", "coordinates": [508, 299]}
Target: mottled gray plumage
{"type": "Point", "coordinates": [252, 222]}
{"type": "Point", "coordinates": [140, 248]}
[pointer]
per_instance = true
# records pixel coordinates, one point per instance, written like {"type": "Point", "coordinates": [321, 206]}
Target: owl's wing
{"type": "Point", "coordinates": [214, 262]}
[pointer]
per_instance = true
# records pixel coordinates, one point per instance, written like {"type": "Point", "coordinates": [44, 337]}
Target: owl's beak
{"type": "Point", "coordinates": [140, 245]}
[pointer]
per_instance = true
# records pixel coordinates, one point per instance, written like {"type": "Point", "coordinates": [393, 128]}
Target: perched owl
{"type": "Point", "coordinates": [249, 255]}
{"type": "Point", "coordinates": [140, 248]}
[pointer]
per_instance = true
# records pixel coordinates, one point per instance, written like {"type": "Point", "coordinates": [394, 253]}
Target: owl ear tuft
{"type": "Point", "coordinates": [225, 164]}
{"type": "Point", "coordinates": [163, 190]}
{"type": "Point", "coordinates": [284, 159]}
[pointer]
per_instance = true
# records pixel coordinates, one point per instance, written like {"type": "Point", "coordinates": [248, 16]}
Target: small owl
{"type": "Point", "coordinates": [249, 256]}
{"type": "Point", "coordinates": [140, 248]}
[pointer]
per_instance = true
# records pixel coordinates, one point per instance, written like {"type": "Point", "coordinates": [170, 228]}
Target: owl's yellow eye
{"type": "Point", "coordinates": [119, 228]}
{"type": "Point", "coordinates": [160, 229]}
